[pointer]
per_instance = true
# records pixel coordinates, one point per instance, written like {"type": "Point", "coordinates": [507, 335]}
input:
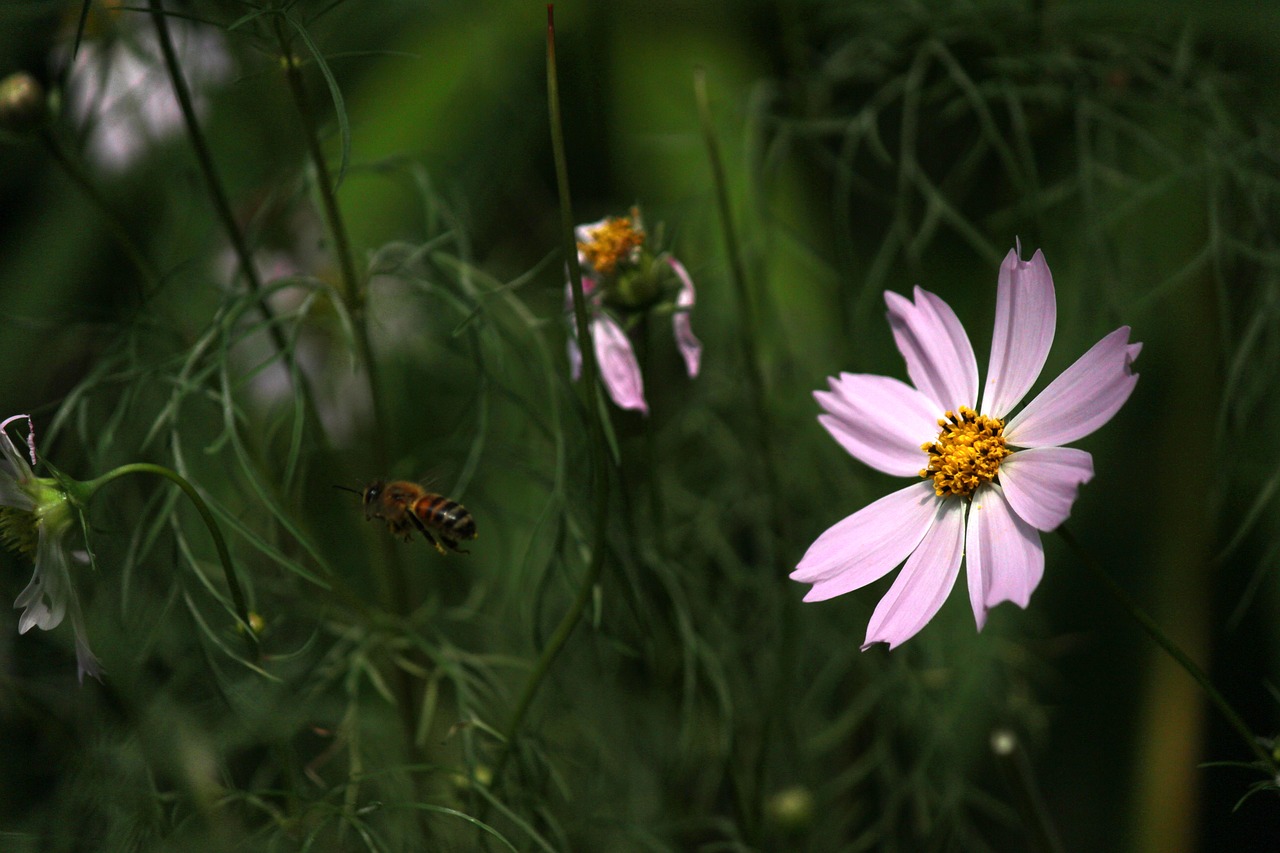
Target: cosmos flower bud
{"type": "Point", "coordinates": [24, 109]}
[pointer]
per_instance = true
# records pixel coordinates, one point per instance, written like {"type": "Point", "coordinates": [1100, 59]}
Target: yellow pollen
{"type": "Point", "coordinates": [966, 454]}
{"type": "Point", "coordinates": [612, 242]}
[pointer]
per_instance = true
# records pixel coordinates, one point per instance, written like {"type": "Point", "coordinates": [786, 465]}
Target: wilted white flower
{"type": "Point", "coordinates": [35, 517]}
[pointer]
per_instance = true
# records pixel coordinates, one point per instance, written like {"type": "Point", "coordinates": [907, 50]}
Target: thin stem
{"type": "Point", "coordinates": [221, 205]}
{"type": "Point", "coordinates": [1016, 770]}
{"type": "Point", "coordinates": [737, 272]}
{"type": "Point", "coordinates": [590, 385]}
{"type": "Point", "coordinates": [95, 196]}
{"type": "Point", "coordinates": [1155, 632]}
{"type": "Point", "coordinates": [224, 555]}
{"type": "Point", "coordinates": [353, 294]}
{"type": "Point", "coordinates": [204, 157]}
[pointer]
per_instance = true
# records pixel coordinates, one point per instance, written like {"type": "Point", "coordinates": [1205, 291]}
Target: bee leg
{"type": "Point", "coordinates": [453, 546]}
{"type": "Point", "coordinates": [433, 541]}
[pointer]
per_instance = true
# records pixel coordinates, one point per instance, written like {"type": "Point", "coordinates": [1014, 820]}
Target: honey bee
{"type": "Point", "coordinates": [405, 507]}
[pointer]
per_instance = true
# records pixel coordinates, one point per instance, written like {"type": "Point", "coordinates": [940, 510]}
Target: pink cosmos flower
{"type": "Point", "coordinates": [620, 276]}
{"type": "Point", "coordinates": [992, 482]}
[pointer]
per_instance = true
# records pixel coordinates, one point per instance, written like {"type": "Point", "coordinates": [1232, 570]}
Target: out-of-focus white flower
{"type": "Point", "coordinates": [622, 279]}
{"type": "Point", "coordinates": [120, 91]}
{"type": "Point", "coordinates": [35, 517]}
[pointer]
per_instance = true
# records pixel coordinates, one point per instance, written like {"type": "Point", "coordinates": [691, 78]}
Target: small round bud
{"type": "Point", "coordinates": [791, 809]}
{"type": "Point", "coordinates": [23, 106]}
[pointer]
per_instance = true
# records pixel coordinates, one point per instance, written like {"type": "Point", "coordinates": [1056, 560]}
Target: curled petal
{"type": "Point", "coordinates": [618, 366]}
{"type": "Point", "coordinates": [1026, 312]}
{"type": "Point", "coordinates": [87, 662]}
{"type": "Point", "coordinates": [867, 545]}
{"type": "Point", "coordinates": [44, 601]}
{"type": "Point", "coordinates": [1003, 555]}
{"type": "Point", "coordinates": [939, 356]}
{"type": "Point", "coordinates": [1041, 483]}
{"type": "Point", "coordinates": [690, 346]}
{"type": "Point", "coordinates": [19, 470]}
{"type": "Point", "coordinates": [1083, 398]}
{"type": "Point", "coordinates": [924, 582]}
{"type": "Point", "coordinates": [881, 421]}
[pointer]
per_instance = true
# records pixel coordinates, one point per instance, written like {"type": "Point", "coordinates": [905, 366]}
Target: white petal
{"type": "Point", "coordinates": [45, 598]}
{"type": "Point", "coordinates": [1083, 398]}
{"type": "Point", "coordinates": [880, 420]}
{"type": "Point", "coordinates": [20, 470]}
{"type": "Point", "coordinates": [924, 582]}
{"type": "Point", "coordinates": [11, 494]}
{"type": "Point", "coordinates": [1041, 483]}
{"type": "Point", "coordinates": [867, 545]}
{"type": "Point", "coordinates": [939, 356]}
{"type": "Point", "coordinates": [575, 358]}
{"type": "Point", "coordinates": [618, 366]}
{"type": "Point", "coordinates": [1026, 312]}
{"type": "Point", "coordinates": [682, 325]}
{"type": "Point", "coordinates": [87, 662]}
{"type": "Point", "coordinates": [1004, 557]}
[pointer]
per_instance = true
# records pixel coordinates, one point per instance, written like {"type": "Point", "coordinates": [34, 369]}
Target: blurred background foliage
{"type": "Point", "coordinates": [868, 146]}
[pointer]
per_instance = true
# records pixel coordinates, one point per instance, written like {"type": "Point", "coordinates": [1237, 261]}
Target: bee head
{"type": "Point", "coordinates": [370, 495]}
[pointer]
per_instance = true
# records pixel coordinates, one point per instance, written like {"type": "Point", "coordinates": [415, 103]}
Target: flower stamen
{"type": "Point", "coordinates": [966, 454]}
{"type": "Point", "coordinates": [616, 240]}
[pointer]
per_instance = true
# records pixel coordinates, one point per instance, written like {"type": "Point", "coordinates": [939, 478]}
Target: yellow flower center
{"type": "Point", "coordinates": [966, 454]}
{"type": "Point", "coordinates": [612, 242]}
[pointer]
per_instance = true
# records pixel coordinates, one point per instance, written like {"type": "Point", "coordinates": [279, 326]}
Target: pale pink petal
{"type": "Point", "coordinates": [1026, 312]}
{"type": "Point", "coordinates": [868, 544]}
{"type": "Point", "coordinates": [881, 421]}
{"type": "Point", "coordinates": [1003, 554]}
{"type": "Point", "coordinates": [618, 366]}
{"type": "Point", "coordinates": [939, 356]}
{"type": "Point", "coordinates": [1041, 483]}
{"type": "Point", "coordinates": [924, 582]}
{"type": "Point", "coordinates": [690, 346]}
{"type": "Point", "coordinates": [1083, 398]}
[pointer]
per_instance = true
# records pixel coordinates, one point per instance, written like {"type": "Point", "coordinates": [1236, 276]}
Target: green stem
{"type": "Point", "coordinates": [353, 295]}
{"type": "Point", "coordinates": [1155, 632]}
{"type": "Point", "coordinates": [224, 555]}
{"type": "Point", "coordinates": [221, 204]}
{"type": "Point", "coordinates": [737, 272]}
{"type": "Point", "coordinates": [204, 157]}
{"type": "Point", "coordinates": [91, 191]}
{"type": "Point", "coordinates": [590, 385]}
{"type": "Point", "coordinates": [1016, 770]}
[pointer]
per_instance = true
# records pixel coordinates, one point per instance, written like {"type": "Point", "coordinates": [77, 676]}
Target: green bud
{"type": "Point", "coordinates": [24, 109]}
{"type": "Point", "coordinates": [791, 809]}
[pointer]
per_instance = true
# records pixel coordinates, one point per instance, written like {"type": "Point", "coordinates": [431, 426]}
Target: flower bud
{"type": "Point", "coordinates": [23, 106]}
{"type": "Point", "coordinates": [791, 809]}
